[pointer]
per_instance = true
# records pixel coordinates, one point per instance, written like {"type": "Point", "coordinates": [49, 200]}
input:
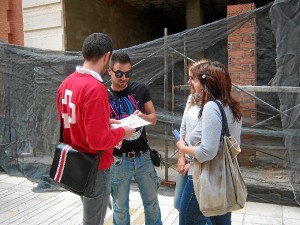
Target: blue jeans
{"type": "Point", "coordinates": [189, 212]}
{"type": "Point", "coordinates": [94, 209]}
{"type": "Point", "coordinates": [143, 171]}
{"type": "Point", "coordinates": [180, 184]}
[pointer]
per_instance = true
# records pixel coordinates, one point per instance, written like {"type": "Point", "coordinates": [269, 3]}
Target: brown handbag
{"type": "Point", "coordinates": [218, 183]}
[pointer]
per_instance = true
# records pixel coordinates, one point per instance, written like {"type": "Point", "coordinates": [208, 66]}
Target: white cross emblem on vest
{"type": "Point", "coordinates": [65, 116]}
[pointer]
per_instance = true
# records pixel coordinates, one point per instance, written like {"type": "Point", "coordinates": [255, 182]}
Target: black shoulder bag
{"type": "Point", "coordinates": [154, 154]}
{"type": "Point", "coordinates": [74, 170]}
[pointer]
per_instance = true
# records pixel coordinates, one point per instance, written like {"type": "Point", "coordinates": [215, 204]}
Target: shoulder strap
{"type": "Point", "coordinates": [61, 138]}
{"type": "Point", "coordinates": [225, 129]}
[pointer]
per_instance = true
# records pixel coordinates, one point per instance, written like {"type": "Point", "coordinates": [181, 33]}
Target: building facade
{"type": "Point", "coordinates": [11, 22]}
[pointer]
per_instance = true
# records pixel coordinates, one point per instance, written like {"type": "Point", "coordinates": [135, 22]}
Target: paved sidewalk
{"type": "Point", "coordinates": [20, 205]}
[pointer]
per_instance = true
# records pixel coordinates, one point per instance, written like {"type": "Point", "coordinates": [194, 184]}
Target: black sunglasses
{"type": "Point", "coordinates": [120, 73]}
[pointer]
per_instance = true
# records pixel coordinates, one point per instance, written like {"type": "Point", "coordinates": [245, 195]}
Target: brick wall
{"type": "Point", "coordinates": [242, 69]}
{"type": "Point", "coordinates": [11, 22]}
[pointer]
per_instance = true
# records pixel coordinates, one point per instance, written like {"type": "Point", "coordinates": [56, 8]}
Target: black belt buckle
{"type": "Point", "coordinates": [131, 154]}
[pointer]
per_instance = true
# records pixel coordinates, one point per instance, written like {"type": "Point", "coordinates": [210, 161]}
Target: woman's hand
{"type": "Point", "coordinates": [185, 149]}
{"type": "Point", "coordinates": [185, 169]}
{"type": "Point", "coordinates": [180, 145]}
{"type": "Point", "coordinates": [180, 163]}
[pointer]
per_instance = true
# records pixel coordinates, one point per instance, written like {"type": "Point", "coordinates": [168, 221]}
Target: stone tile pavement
{"type": "Point", "coordinates": [20, 205]}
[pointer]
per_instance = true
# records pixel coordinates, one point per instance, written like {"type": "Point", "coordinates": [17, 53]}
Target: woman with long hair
{"type": "Point", "coordinates": [213, 79]}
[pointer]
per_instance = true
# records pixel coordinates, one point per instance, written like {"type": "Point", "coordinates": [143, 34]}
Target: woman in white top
{"type": "Point", "coordinates": [188, 123]}
{"type": "Point", "coordinates": [203, 141]}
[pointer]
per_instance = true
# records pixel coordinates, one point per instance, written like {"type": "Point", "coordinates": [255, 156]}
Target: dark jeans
{"type": "Point", "coordinates": [94, 209]}
{"type": "Point", "coordinates": [190, 214]}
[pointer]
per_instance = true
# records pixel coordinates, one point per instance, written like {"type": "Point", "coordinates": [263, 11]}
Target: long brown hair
{"type": "Point", "coordinates": [216, 82]}
{"type": "Point", "coordinates": [194, 100]}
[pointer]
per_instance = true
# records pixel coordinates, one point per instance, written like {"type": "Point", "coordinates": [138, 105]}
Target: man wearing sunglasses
{"type": "Point", "coordinates": [132, 158]}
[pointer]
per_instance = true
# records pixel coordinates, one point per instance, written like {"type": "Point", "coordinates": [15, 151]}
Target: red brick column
{"type": "Point", "coordinates": [11, 22]}
{"type": "Point", "coordinates": [242, 69]}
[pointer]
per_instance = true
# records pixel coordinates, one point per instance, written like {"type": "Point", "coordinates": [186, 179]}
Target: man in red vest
{"type": "Point", "coordinates": [81, 98]}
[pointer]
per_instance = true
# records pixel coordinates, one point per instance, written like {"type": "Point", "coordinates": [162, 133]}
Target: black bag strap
{"type": "Point", "coordinates": [225, 129]}
{"type": "Point", "coordinates": [61, 139]}
{"type": "Point", "coordinates": [61, 136]}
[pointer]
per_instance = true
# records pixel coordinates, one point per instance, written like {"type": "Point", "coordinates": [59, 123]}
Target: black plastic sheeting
{"type": "Point", "coordinates": [29, 79]}
{"type": "Point", "coordinates": [285, 20]}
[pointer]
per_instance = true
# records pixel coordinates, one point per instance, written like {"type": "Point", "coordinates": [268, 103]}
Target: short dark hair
{"type": "Point", "coordinates": [96, 45]}
{"type": "Point", "coordinates": [119, 57]}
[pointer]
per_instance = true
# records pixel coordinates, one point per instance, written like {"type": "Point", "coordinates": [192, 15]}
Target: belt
{"type": "Point", "coordinates": [131, 155]}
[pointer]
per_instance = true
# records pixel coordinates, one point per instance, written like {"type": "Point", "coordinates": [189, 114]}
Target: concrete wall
{"type": "Point", "coordinates": [11, 22]}
{"type": "Point", "coordinates": [63, 24]}
{"type": "Point", "coordinates": [43, 24]}
{"type": "Point", "coordinates": [116, 18]}
{"type": "Point", "coordinates": [194, 13]}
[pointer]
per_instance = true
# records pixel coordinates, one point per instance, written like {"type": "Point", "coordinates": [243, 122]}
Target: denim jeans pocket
{"type": "Point", "coordinates": [155, 179]}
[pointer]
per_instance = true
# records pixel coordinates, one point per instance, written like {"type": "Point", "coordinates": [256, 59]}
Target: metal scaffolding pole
{"type": "Point", "coordinates": [166, 99]}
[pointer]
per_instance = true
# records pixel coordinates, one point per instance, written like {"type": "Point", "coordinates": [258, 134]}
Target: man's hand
{"type": "Point", "coordinates": [139, 113]}
{"type": "Point", "coordinates": [113, 121]}
{"type": "Point", "coordinates": [128, 131]}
